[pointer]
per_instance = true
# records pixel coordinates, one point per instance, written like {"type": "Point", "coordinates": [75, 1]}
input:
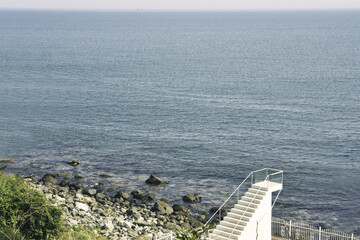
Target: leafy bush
{"type": "Point", "coordinates": [26, 210]}
{"type": "Point", "coordinates": [79, 233]}
{"type": "Point", "coordinates": [195, 234]}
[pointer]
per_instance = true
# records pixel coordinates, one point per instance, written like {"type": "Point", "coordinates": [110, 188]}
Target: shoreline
{"type": "Point", "coordinates": [123, 215]}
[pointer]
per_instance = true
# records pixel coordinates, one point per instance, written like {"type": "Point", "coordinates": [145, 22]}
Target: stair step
{"type": "Point", "coordinates": [259, 187]}
{"type": "Point", "coordinates": [241, 212]}
{"type": "Point", "coordinates": [245, 208]}
{"type": "Point", "coordinates": [226, 235]}
{"type": "Point", "coordinates": [248, 199]}
{"type": "Point", "coordinates": [230, 220]}
{"type": "Point", "coordinates": [247, 204]}
{"type": "Point", "coordinates": [257, 191]}
{"type": "Point", "coordinates": [228, 229]}
{"type": "Point", "coordinates": [213, 236]}
{"type": "Point", "coordinates": [239, 217]}
{"type": "Point", "coordinates": [254, 195]}
{"type": "Point", "coordinates": [239, 225]}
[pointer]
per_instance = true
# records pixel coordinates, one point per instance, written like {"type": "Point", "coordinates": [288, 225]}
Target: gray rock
{"type": "Point", "coordinates": [185, 225]}
{"type": "Point", "coordinates": [81, 206]}
{"type": "Point", "coordinates": [90, 192]}
{"type": "Point", "coordinates": [171, 226]}
{"type": "Point", "coordinates": [132, 212]}
{"type": "Point", "coordinates": [180, 208]}
{"type": "Point", "coordinates": [162, 208]}
{"type": "Point", "coordinates": [194, 223]}
{"type": "Point", "coordinates": [49, 178]}
{"type": "Point", "coordinates": [223, 211]}
{"type": "Point", "coordinates": [64, 183]}
{"type": "Point", "coordinates": [76, 187]}
{"type": "Point", "coordinates": [137, 194]}
{"type": "Point", "coordinates": [100, 196]}
{"type": "Point", "coordinates": [74, 163]}
{"type": "Point", "coordinates": [108, 225]}
{"type": "Point", "coordinates": [153, 180]}
{"type": "Point", "coordinates": [122, 194]}
{"type": "Point", "coordinates": [192, 198]}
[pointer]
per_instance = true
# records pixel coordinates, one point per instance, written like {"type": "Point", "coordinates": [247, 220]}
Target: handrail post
{"type": "Point", "coordinates": [352, 236]}
{"type": "Point", "coordinates": [320, 233]}
{"type": "Point", "coordinates": [220, 215]}
{"type": "Point", "coordinates": [267, 172]}
{"type": "Point", "coordinates": [290, 230]}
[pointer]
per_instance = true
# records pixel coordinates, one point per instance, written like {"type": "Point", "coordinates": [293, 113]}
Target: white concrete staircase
{"type": "Point", "coordinates": [233, 225]}
{"type": "Point", "coordinates": [250, 218]}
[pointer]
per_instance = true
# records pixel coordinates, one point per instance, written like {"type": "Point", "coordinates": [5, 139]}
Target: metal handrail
{"type": "Point", "coordinates": [276, 171]}
{"type": "Point", "coordinates": [219, 209]}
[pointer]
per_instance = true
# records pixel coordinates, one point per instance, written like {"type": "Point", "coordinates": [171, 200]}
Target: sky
{"type": "Point", "coordinates": [181, 4]}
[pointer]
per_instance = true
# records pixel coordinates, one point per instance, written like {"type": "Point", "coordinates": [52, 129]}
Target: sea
{"type": "Point", "coordinates": [200, 99]}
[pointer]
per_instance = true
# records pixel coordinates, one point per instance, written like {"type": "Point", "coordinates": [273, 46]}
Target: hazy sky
{"type": "Point", "coordinates": [182, 4]}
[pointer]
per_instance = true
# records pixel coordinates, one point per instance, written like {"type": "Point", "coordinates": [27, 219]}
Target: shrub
{"type": "Point", "coordinates": [195, 234]}
{"type": "Point", "coordinates": [79, 233]}
{"type": "Point", "coordinates": [26, 210]}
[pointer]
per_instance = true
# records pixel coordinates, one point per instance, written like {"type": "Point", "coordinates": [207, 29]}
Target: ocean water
{"type": "Point", "coordinates": [199, 99]}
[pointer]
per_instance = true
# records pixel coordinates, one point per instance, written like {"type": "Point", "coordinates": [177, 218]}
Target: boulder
{"type": "Point", "coordinates": [49, 178]}
{"type": "Point", "coordinates": [133, 212]}
{"type": "Point", "coordinates": [2, 167]}
{"type": "Point", "coordinates": [108, 225]}
{"type": "Point", "coordinates": [74, 163]}
{"type": "Point", "coordinates": [104, 175]}
{"type": "Point", "coordinates": [180, 208]}
{"type": "Point", "coordinates": [6, 160]}
{"type": "Point", "coordinates": [122, 194]}
{"type": "Point", "coordinates": [195, 223]}
{"type": "Point", "coordinates": [76, 187]}
{"type": "Point", "coordinates": [223, 211]}
{"type": "Point", "coordinates": [90, 192]}
{"type": "Point", "coordinates": [172, 226]}
{"type": "Point", "coordinates": [162, 208]}
{"type": "Point", "coordinates": [77, 176]}
{"type": "Point", "coordinates": [192, 198]}
{"type": "Point", "coordinates": [137, 194]}
{"type": "Point", "coordinates": [81, 206]}
{"type": "Point", "coordinates": [153, 180]}
{"type": "Point", "coordinates": [64, 183]}
{"type": "Point", "coordinates": [99, 196]}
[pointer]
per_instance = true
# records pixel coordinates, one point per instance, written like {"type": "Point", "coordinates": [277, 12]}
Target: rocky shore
{"type": "Point", "coordinates": [118, 215]}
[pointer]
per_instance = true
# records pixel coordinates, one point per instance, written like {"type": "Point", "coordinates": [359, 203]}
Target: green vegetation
{"type": "Point", "coordinates": [25, 212]}
{"type": "Point", "coordinates": [195, 234]}
{"type": "Point", "coordinates": [79, 233]}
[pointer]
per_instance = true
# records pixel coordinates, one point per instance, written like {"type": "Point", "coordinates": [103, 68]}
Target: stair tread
{"type": "Point", "coordinates": [255, 190]}
{"type": "Point", "coordinates": [229, 229]}
{"type": "Point", "coordinates": [247, 204]}
{"type": "Point", "coordinates": [244, 208]}
{"type": "Point", "coordinates": [244, 218]}
{"type": "Point", "coordinates": [238, 224]}
{"type": "Point", "coordinates": [254, 195]}
{"type": "Point", "coordinates": [216, 237]}
{"type": "Point", "coordinates": [251, 200]}
{"type": "Point", "coordinates": [230, 219]}
{"type": "Point", "coordinates": [226, 234]}
{"type": "Point", "coordinates": [242, 212]}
